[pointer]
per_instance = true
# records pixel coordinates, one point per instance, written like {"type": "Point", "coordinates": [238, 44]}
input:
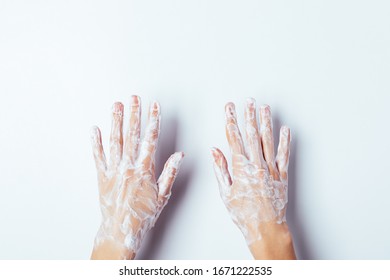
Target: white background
{"type": "Point", "coordinates": [323, 66]}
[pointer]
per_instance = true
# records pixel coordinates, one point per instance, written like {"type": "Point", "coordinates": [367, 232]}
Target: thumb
{"type": "Point", "coordinates": [168, 176]}
{"type": "Point", "coordinates": [221, 172]}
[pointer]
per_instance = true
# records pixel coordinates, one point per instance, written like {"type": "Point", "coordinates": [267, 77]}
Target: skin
{"type": "Point", "coordinates": [131, 199]}
{"type": "Point", "coordinates": [255, 195]}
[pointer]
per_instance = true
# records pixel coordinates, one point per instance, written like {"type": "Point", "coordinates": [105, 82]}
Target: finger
{"type": "Point", "coordinates": [134, 130]}
{"type": "Point", "coordinates": [221, 172]}
{"type": "Point", "coordinates": [232, 131]}
{"type": "Point", "coordinates": [255, 153]}
{"type": "Point", "coordinates": [98, 152]}
{"type": "Point", "coordinates": [168, 176]}
{"type": "Point", "coordinates": [116, 138]}
{"type": "Point", "coordinates": [267, 139]}
{"type": "Point", "coordinates": [149, 143]}
{"type": "Point", "coordinates": [283, 155]}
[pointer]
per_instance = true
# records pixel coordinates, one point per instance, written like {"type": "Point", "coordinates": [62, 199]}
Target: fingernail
{"type": "Point", "coordinates": [285, 130]}
{"type": "Point", "coordinates": [265, 107]}
{"type": "Point", "coordinates": [117, 108]}
{"type": "Point", "coordinates": [250, 102]}
{"type": "Point", "coordinates": [265, 110]}
{"type": "Point", "coordinates": [94, 132]}
{"type": "Point", "coordinates": [250, 109]}
{"type": "Point", "coordinates": [154, 107]}
{"type": "Point", "coordinates": [230, 110]}
{"type": "Point", "coordinates": [177, 159]}
{"type": "Point", "coordinates": [135, 100]}
{"type": "Point", "coordinates": [214, 152]}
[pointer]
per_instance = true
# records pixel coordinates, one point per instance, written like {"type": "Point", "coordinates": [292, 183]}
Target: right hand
{"type": "Point", "coordinates": [256, 194]}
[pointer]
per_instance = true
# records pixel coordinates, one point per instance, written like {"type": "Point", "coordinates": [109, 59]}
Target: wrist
{"type": "Point", "coordinates": [275, 242]}
{"type": "Point", "coordinates": [111, 243]}
{"type": "Point", "coordinates": [110, 249]}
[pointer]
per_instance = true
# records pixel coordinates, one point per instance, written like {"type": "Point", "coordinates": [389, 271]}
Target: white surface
{"type": "Point", "coordinates": [323, 66]}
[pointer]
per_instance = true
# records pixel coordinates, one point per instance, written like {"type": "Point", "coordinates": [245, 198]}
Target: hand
{"type": "Point", "coordinates": [130, 198]}
{"type": "Point", "coordinates": [256, 196]}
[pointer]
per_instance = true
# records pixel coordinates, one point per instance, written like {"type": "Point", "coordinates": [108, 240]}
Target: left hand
{"type": "Point", "coordinates": [131, 199]}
